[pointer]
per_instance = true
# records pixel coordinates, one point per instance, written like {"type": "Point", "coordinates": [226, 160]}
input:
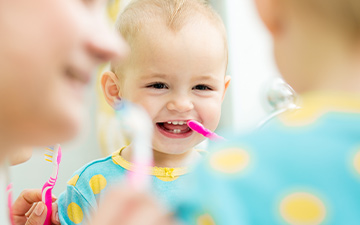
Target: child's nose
{"type": "Point", "coordinates": [180, 104]}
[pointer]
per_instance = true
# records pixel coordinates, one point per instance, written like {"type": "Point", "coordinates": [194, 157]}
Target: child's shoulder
{"type": "Point", "coordinates": [99, 167]}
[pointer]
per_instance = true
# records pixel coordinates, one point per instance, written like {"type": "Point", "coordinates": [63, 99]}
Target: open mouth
{"type": "Point", "coordinates": [174, 128]}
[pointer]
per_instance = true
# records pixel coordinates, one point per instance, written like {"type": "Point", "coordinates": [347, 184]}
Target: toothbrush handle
{"type": "Point", "coordinates": [47, 198]}
{"type": "Point", "coordinates": [138, 179]}
{"type": "Point", "coordinates": [214, 137]}
{"type": "Point", "coordinates": [142, 160]}
{"type": "Point", "coordinates": [198, 127]}
{"type": "Point", "coordinates": [211, 135]}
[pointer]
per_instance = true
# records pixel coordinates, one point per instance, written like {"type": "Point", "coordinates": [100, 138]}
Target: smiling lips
{"type": "Point", "coordinates": [176, 129]}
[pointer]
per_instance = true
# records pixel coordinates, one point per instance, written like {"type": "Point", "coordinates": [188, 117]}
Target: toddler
{"type": "Point", "coordinates": [176, 72]}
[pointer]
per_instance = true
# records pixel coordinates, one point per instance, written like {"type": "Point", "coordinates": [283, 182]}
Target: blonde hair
{"type": "Point", "coordinates": [174, 14]}
{"type": "Point", "coordinates": [339, 14]}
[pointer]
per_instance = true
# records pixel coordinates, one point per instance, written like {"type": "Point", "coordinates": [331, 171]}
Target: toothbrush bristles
{"type": "Point", "coordinates": [49, 153]}
{"type": "Point", "coordinates": [48, 157]}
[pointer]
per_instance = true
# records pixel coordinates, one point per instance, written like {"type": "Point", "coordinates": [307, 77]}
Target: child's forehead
{"type": "Point", "coordinates": [157, 30]}
{"type": "Point", "coordinates": [179, 54]}
{"type": "Point", "coordinates": [194, 76]}
{"type": "Point", "coordinates": [154, 29]}
{"type": "Point", "coordinates": [174, 14]}
{"type": "Point", "coordinates": [202, 39]}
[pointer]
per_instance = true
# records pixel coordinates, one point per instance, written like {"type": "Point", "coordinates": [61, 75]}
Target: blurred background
{"type": "Point", "coordinates": [251, 67]}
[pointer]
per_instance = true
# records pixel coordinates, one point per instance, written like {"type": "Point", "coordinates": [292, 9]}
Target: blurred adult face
{"type": "Point", "coordinates": [49, 50]}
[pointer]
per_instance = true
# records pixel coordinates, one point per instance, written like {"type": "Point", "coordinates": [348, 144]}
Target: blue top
{"type": "Point", "coordinates": [88, 185]}
{"type": "Point", "coordinates": [303, 167]}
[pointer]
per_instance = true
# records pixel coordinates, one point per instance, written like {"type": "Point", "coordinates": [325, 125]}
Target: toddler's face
{"type": "Point", "coordinates": [49, 50]}
{"type": "Point", "coordinates": [177, 77]}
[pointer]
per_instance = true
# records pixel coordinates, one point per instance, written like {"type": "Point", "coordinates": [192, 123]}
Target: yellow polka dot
{"type": "Point", "coordinates": [357, 162]}
{"type": "Point", "coordinates": [205, 219]}
{"type": "Point", "coordinates": [97, 183]}
{"type": "Point", "coordinates": [302, 209]}
{"type": "Point", "coordinates": [232, 160]}
{"type": "Point", "coordinates": [75, 213]}
{"type": "Point", "coordinates": [73, 180]}
{"type": "Point", "coordinates": [166, 178]}
{"type": "Point", "coordinates": [303, 117]}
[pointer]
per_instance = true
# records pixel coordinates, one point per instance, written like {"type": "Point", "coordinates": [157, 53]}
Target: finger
{"type": "Point", "coordinates": [55, 215]}
{"type": "Point", "coordinates": [53, 198]}
{"type": "Point", "coordinates": [23, 204]}
{"type": "Point", "coordinates": [38, 216]}
{"type": "Point", "coordinates": [28, 213]}
{"type": "Point", "coordinates": [25, 200]}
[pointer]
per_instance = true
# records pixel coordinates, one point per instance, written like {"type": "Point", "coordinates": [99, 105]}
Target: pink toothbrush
{"type": "Point", "coordinates": [54, 157]}
{"type": "Point", "coordinates": [9, 192]}
{"type": "Point", "coordinates": [198, 127]}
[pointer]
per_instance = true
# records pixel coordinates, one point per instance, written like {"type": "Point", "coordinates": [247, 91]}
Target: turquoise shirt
{"type": "Point", "coordinates": [89, 184]}
{"type": "Point", "coordinates": [303, 167]}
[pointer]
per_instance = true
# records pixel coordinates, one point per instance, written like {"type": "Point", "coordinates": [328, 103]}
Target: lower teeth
{"type": "Point", "coordinates": [176, 131]}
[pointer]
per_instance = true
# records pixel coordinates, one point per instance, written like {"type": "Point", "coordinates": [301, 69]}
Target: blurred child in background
{"type": "Point", "coordinates": [303, 167]}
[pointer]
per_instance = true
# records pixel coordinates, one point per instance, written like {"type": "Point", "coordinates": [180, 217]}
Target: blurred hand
{"type": "Point", "coordinates": [28, 209]}
{"type": "Point", "coordinates": [124, 206]}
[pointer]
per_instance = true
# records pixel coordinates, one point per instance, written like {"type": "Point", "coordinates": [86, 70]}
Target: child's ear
{"type": "Point", "coordinates": [227, 83]}
{"type": "Point", "coordinates": [269, 11]}
{"type": "Point", "coordinates": [111, 88]}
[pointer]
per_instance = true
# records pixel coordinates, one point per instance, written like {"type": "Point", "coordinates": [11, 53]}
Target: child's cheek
{"type": "Point", "coordinates": [210, 113]}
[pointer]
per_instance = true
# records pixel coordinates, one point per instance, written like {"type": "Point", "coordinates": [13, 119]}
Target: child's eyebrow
{"type": "Point", "coordinates": [167, 76]}
{"type": "Point", "coordinates": [205, 77]}
{"type": "Point", "coordinates": [154, 75]}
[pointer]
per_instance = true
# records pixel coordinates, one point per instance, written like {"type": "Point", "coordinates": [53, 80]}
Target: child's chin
{"type": "Point", "coordinates": [174, 149]}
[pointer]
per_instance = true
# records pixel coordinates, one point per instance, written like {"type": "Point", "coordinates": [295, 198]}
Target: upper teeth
{"type": "Point", "coordinates": [177, 122]}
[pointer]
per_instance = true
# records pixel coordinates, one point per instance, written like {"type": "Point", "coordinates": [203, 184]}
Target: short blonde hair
{"type": "Point", "coordinates": [175, 14]}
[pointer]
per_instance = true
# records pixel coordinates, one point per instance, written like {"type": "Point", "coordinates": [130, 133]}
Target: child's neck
{"type": "Point", "coordinates": [168, 160]}
{"type": "Point", "coordinates": [176, 160]}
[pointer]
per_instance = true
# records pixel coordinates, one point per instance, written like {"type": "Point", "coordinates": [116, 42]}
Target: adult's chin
{"type": "Point", "coordinates": [69, 125]}
{"type": "Point", "coordinates": [21, 155]}
{"type": "Point", "coordinates": [58, 127]}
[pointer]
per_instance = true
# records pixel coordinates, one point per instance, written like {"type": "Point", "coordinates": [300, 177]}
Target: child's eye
{"type": "Point", "coordinates": [157, 86]}
{"type": "Point", "coordinates": [202, 87]}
